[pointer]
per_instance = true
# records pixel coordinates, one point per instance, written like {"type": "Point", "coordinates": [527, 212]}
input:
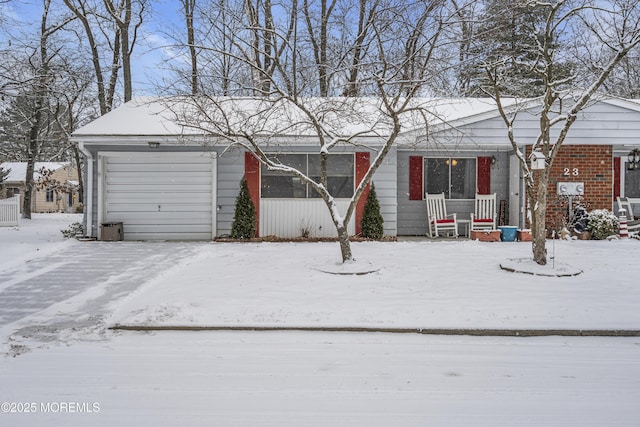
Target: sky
{"type": "Point", "coordinates": [152, 47]}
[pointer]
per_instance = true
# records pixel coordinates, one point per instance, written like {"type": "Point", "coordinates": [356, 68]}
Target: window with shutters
{"type": "Point", "coordinates": [455, 177]}
{"type": "Point", "coordinates": [340, 177]}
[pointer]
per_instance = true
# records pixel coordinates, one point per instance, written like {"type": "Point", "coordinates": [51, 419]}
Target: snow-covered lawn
{"type": "Point", "coordinates": [428, 284]}
{"type": "Point", "coordinates": [33, 238]}
{"type": "Point", "coordinates": [96, 377]}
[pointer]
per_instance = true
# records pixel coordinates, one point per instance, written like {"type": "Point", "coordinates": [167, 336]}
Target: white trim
{"type": "Point", "coordinates": [214, 194]}
{"type": "Point", "coordinates": [88, 189]}
{"type": "Point", "coordinates": [101, 192]}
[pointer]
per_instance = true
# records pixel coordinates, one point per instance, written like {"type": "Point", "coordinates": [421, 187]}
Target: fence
{"type": "Point", "coordinates": [9, 211]}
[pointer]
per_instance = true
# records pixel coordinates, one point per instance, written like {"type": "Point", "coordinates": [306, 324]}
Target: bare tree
{"type": "Point", "coordinates": [318, 35]}
{"type": "Point", "coordinates": [93, 25]}
{"type": "Point", "coordinates": [358, 50]}
{"type": "Point", "coordinates": [267, 43]}
{"type": "Point", "coordinates": [122, 13]}
{"type": "Point", "coordinates": [46, 94]}
{"type": "Point", "coordinates": [404, 38]}
{"type": "Point", "coordinates": [43, 77]}
{"type": "Point", "coordinates": [189, 10]}
{"type": "Point", "coordinates": [616, 31]}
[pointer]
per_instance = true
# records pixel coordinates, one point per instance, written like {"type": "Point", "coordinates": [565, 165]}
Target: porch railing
{"type": "Point", "coordinates": [9, 211]}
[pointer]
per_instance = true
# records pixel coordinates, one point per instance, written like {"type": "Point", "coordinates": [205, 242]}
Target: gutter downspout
{"type": "Point", "coordinates": [88, 193]}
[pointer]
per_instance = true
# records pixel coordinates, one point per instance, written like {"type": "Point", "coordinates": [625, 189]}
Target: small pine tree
{"type": "Point", "coordinates": [371, 225]}
{"type": "Point", "coordinates": [244, 218]}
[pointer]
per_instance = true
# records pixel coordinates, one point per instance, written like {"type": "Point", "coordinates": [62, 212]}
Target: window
{"type": "Point", "coordinates": [49, 195]}
{"type": "Point", "coordinates": [340, 177]}
{"type": "Point", "coordinates": [632, 183]}
{"type": "Point", "coordinates": [70, 198]}
{"type": "Point", "coordinates": [12, 191]}
{"type": "Point", "coordinates": [455, 177]}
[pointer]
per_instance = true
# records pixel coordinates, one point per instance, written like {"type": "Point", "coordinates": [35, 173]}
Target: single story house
{"type": "Point", "coordinates": [165, 180]}
{"type": "Point", "coordinates": [56, 185]}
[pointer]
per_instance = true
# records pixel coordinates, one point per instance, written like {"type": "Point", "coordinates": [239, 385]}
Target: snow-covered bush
{"type": "Point", "coordinates": [602, 224]}
{"type": "Point", "coordinates": [75, 230]}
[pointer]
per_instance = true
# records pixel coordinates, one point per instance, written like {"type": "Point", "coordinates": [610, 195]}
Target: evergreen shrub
{"type": "Point", "coordinates": [371, 225]}
{"type": "Point", "coordinates": [244, 218]}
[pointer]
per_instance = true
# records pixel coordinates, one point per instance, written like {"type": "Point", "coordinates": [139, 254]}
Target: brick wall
{"type": "Point", "coordinates": [591, 164]}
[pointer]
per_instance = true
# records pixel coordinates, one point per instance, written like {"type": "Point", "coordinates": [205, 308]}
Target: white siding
{"type": "Point", "coordinates": [288, 217]}
{"type": "Point", "coordinates": [165, 196]}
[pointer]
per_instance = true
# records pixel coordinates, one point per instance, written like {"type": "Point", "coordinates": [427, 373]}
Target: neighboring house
{"type": "Point", "coordinates": [163, 182]}
{"type": "Point", "coordinates": [55, 191]}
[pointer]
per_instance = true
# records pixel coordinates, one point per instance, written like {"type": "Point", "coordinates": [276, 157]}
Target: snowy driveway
{"type": "Point", "coordinates": [95, 273]}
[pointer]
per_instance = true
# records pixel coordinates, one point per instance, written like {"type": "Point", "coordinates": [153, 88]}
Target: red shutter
{"type": "Point", "coordinates": [252, 175]}
{"type": "Point", "coordinates": [362, 166]}
{"type": "Point", "coordinates": [415, 178]}
{"type": "Point", "coordinates": [616, 178]}
{"type": "Point", "coordinates": [484, 175]}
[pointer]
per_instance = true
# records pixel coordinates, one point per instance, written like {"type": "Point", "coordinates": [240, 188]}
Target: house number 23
{"type": "Point", "coordinates": [569, 172]}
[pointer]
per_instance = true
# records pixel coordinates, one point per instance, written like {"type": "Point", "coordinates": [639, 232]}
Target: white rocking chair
{"type": "Point", "coordinates": [439, 221]}
{"type": "Point", "coordinates": [633, 224]}
{"type": "Point", "coordinates": [484, 217]}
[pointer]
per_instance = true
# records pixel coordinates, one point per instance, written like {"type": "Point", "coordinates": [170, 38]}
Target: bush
{"type": "Point", "coordinates": [371, 225]}
{"type": "Point", "coordinates": [75, 230]}
{"type": "Point", "coordinates": [602, 224]}
{"type": "Point", "coordinates": [244, 217]}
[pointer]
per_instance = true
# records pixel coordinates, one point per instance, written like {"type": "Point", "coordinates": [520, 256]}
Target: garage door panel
{"type": "Point", "coordinates": [166, 217]}
{"type": "Point", "coordinates": [161, 163]}
{"type": "Point", "coordinates": [178, 199]}
{"type": "Point", "coordinates": [169, 228]}
{"type": "Point", "coordinates": [150, 180]}
{"type": "Point", "coordinates": [160, 197]}
{"type": "Point", "coordinates": [157, 190]}
{"type": "Point", "coordinates": [116, 208]}
{"type": "Point", "coordinates": [133, 235]}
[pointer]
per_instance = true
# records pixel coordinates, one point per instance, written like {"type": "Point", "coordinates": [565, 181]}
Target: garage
{"type": "Point", "coordinates": [164, 196]}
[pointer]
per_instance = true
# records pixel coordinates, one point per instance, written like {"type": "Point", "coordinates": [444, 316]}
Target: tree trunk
{"type": "Point", "coordinates": [345, 244]}
{"type": "Point", "coordinates": [76, 155]}
{"type": "Point", "coordinates": [539, 219]}
{"type": "Point", "coordinates": [41, 96]}
{"type": "Point", "coordinates": [189, 7]}
{"type": "Point", "coordinates": [81, 13]}
{"type": "Point", "coordinates": [126, 52]}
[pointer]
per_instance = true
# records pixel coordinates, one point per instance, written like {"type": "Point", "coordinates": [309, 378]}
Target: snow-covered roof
{"type": "Point", "coordinates": [142, 116]}
{"type": "Point", "coordinates": [18, 170]}
{"type": "Point", "coordinates": [205, 116]}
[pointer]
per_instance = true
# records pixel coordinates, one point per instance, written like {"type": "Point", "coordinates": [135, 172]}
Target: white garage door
{"type": "Point", "coordinates": [165, 196]}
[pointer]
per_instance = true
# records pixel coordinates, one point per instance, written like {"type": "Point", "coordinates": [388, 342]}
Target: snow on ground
{"type": "Point", "coordinates": [236, 378]}
{"type": "Point", "coordinates": [327, 379]}
{"type": "Point", "coordinates": [427, 284]}
{"type": "Point", "coordinates": [36, 237]}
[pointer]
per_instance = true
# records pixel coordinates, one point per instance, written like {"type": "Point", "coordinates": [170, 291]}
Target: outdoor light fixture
{"type": "Point", "coordinates": [153, 144]}
{"type": "Point", "coordinates": [633, 159]}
